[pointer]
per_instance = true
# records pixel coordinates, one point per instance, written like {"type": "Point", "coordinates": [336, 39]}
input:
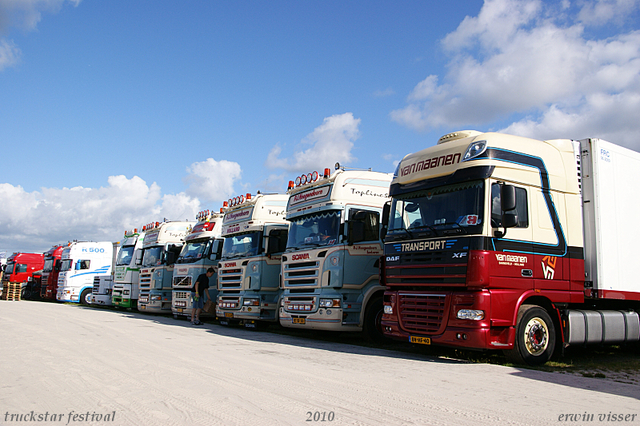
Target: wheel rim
{"type": "Point", "coordinates": [536, 336]}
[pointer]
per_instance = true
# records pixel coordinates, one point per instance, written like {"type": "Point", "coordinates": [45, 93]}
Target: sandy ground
{"type": "Point", "coordinates": [146, 370]}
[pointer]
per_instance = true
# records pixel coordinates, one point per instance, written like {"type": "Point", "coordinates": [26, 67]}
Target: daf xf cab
{"type": "Point", "coordinates": [126, 279]}
{"type": "Point", "coordinates": [81, 262]}
{"type": "Point", "coordinates": [162, 245]}
{"type": "Point", "coordinates": [330, 270]}
{"type": "Point", "coordinates": [255, 234]}
{"type": "Point", "coordinates": [201, 251]}
{"type": "Point", "coordinates": [20, 268]}
{"type": "Point", "coordinates": [503, 242]}
{"type": "Point", "coordinates": [50, 271]}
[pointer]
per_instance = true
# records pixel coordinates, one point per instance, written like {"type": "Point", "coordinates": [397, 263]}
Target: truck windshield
{"type": "Point", "coordinates": [242, 245]}
{"type": "Point", "coordinates": [152, 256]}
{"type": "Point", "coordinates": [194, 251]}
{"type": "Point", "coordinates": [446, 210]}
{"type": "Point", "coordinates": [9, 269]}
{"type": "Point", "coordinates": [318, 229]}
{"type": "Point", "coordinates": [48, 265]}
{"type": "Point", "coordinates": [124, 255]}
{"type": "Point", "coordinates": [66, 265]}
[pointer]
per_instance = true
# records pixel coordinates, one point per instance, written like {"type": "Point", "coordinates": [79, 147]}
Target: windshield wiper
{"type": "Point", "coordinates": [455, 228]}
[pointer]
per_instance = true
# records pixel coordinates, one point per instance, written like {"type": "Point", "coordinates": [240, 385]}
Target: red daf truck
{"type": "Point", "coordinates": [50, 273]}
{"type": "Point", "coordinates": [503, 242]}
{"type": "Point", "coordinates": [20, 268]}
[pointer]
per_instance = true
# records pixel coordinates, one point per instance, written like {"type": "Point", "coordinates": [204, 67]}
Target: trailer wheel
{"type": "Point", "coordinates": [535, 337]}
{"type": "Point", "coordinates": [85, 297]}
{"type": "Point", "coordinates": [372, 326]}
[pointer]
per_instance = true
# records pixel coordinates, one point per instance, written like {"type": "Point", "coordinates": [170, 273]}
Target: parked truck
{"type": "Point", "coordinates": [255, 235]}
{"type": "Point", "coordinates": [201, 251]}
{"type": "Point", "coordinates": [330, 269]}
{"type": "Point", "coordinates": [101, 294]}
{"type": "Point", "coordinates": [126, 279]}
{"type": "Point", "coordinates": [503, 242]}
{"type": "Point", "coordinates": [50, 271]}
{"type": "Point", "coordinates": [162, 245]}
{"type": "Point", "coordinates": [20, 268]}
{"type": "Point", "coordinates": [81, 262]}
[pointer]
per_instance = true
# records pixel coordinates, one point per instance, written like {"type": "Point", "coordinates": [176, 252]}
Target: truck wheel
{"type": "Point", "coordinates": [535, 337]}
{"type": "Point", "coordinates": [85, 297]}
{"type": "Point", "coordinates": [372, 326]}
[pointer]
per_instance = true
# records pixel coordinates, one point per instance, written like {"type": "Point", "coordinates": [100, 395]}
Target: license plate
{"type": "Point", "coordinates": [299, 320]}
{"type": "Point", "coordinates": [179, 310]}
{"type": "Point", "coordinates": [143, 306]}
{"type": "Point", "coordinates": [420, 340]}
{"type": "Point", "coordinates": [228, 314]}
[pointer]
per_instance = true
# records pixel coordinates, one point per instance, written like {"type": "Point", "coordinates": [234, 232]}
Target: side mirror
{"type": "Point", "coordinates": [170, 258]}
{"type": "Point", "coordinates": [508, 197]}
{"type": "Point", "coordinates": [384, 225]}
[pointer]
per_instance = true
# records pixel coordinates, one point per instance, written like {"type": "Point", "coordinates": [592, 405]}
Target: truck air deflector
{"type": "Point", "coordinates": [499, 244]}
{"type": "Point", "coordinates": [461, 175]}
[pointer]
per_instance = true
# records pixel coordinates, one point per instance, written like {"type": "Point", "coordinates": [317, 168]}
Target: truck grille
{"type": "Point", "coordinates": [230, 278]}
{"type": "Point", "coordinates": [301, 274]}
{"type": "Point", "coordinates": [422, 313]}
{"type": "Point", "coordinates": [416, 269]}
{"type": "Point", "coordinates": [96, 285]}
{"type": "Point", "coordinates": [182, 282]}
{"type": "Point", "coordinates": [145, 279]}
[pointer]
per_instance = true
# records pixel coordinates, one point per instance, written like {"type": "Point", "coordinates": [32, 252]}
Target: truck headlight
{"type": "Point", "coordinates": [470, 314]}
{"type": "Point", "coordinates": [330, 303]}
{"type": "Point", "coordinates": [156, 298]}
{"type": "Point", "coordinates": [388, 310]}
{"type": "Point", "coordinates": [251, 302]}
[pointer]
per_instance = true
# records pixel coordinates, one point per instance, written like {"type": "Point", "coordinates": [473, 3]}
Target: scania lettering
{"type": "Point", "coordinates": [331, 265]}
{"type": "Point", "coordinates": [162, 245]}
{"type": "Point", "coordinates": [50, 271]}
{"type": "Point", "coordinates": [255, 235]}
{"type": "Point", "coordinates": [21, 267]}
{"type": "Point", "coordinates": [81, 262]}
{"type": "Point", "coordinates": [201, 251]}
{"type": "Point", "coordinates": [126, 279]}
{"type": "Point", "coordinates": [514, 244]}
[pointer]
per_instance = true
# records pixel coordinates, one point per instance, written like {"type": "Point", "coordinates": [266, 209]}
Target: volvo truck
{"type": "Point", "coordinates": [162, 245]}
{"type": "Point", "coordinates": [81, 262]}
{"type": "Point", "coordinates": [255, 235]}
{"type": "Point", "coordinates": [330, 269]}
{"type": "Point", "coordinates": [201, 251]}
{"type": "Point", "coordinates": [504, 242]}
{"type": "Point", "coordinates": [126, 279]}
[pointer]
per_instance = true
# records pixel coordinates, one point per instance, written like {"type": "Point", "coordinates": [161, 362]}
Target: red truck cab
{"type": "Point", "coordinates": [50, 273]}
{"type": "Point", "coordinates": [21, 266]}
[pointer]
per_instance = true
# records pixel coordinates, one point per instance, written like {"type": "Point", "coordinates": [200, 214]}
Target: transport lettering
{"type": "Point", "coordinates": [424, 245]}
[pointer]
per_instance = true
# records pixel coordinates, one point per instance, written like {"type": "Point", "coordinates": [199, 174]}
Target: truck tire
{"type": "Point", "coordinates": [85, 297]}
{"type": "Point", "coordinates": [535, 337]}
{"type": "Point", "coordinates": [372, 326]}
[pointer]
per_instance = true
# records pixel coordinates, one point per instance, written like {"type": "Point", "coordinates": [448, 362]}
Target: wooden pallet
{"type": "Point", "coordinates": [11, 291]}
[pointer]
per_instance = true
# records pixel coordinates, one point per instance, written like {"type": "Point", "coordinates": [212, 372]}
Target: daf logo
{"type": "Point", "coordinates": [393, 258]}
{"type": "Point", "coordinates": [459, 255]}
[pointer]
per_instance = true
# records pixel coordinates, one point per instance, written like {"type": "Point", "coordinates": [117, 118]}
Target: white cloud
{"type": "Point", "coordinates": [25, 15]}
{"type": "Point", "coordinates": [9, 54]}
{"type": "Point", "coordinates": [212, 180]}
{"type": "Point", "coordinates": [532, 58]}
{"type": "Point", "coordinates": [330, 142]}
{"type": "Point", "coordinates": [34, 221]}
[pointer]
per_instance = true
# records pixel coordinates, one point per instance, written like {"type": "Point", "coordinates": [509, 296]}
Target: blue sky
{"type": "Point", "coordinates": [115, 114]}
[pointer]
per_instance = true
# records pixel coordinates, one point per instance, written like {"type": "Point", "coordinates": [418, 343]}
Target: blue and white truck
{"type": "Point", "coordinates": [255, 235]}
{"type": "Point", "coordinates": [330, 270]}
{"type": "Point", "coordinates": [81, 262]}
{"type": "Point", "coordinates": [201, 251]}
